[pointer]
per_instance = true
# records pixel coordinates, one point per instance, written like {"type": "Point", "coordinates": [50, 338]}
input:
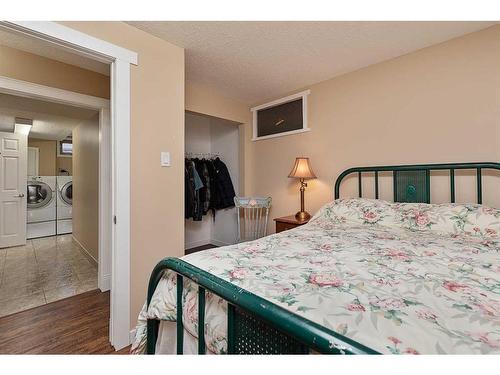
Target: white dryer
{"type": "Point", "coordinates": [64, 204]}
{"type": "Point", "coordinates": [41, 206]}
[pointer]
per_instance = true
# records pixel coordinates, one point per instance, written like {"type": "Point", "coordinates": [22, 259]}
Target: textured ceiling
{"type": "Point", "coordinates": [253, 61]}
{"type": "Point", "coordinates": [41, 48]}
{"type": "Point", "coordinates": [50, 120]}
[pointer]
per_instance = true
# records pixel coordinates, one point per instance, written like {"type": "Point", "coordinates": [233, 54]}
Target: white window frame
{"type": "Point", "coordinates": [118, 115]}
{"type": "Point", "coordinates": [274, 103]}
{"type": "Point", "coordinates": [59, 154]}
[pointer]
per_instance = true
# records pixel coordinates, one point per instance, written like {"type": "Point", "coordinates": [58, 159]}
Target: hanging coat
{"type": "Point", "coordinates": [200, 165]}
{"type": "Point", "coordinates": [224, 186]}
{"type": "Point", "coordinates": [195, 184]}
{"type": "Point", "coordinates": [189, 192]}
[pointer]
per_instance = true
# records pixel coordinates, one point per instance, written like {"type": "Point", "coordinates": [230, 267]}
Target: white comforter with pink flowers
{"type": "Point", "coordinates": [398, 278]}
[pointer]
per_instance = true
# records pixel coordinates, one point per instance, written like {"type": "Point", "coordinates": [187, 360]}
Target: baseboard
{"type": "Point", "coordinates": [86, 252]}
{"type": "Point", "coordinates": [131, 336]}
{"type": "Point", "coordinates": [219, 243]}
{"type": "Point", "coordinates": [105, 283]}
{"type": "Point", "coordinates": [197, 243]}
{"type": "Point", "coordinates": [211, 241]}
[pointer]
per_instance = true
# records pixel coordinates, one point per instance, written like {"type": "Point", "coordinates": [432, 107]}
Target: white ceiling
{"type": "Point", "coordinates": [41, 48]}
{"type": "Point", "coordinates": [50, 120]}
{"type": "Point", "coordinates": [254, 61]}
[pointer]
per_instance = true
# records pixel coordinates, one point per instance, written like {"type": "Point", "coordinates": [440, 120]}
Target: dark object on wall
{"type": "Point", "coordinates": [281, 117]}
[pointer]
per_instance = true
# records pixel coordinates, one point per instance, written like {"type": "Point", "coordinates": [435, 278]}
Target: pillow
{"type": "Point", "coordinates": [358, 210]}
{"type": "Point", "coordinates": [420, 217]}
{"type": "Point", "coordinates": [470, 219]}
{"type": "Point", "coordinates": [479, 220]}
{"type": "Point", "coordinates": [451, 218]}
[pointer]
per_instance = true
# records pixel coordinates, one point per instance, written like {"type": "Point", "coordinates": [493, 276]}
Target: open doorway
{"type": "Point", "coordinates": [58, 162]}
{"type": "Point", "coordinates": [74, 47]}
{"type": "Point", "coordinates": [212, 174]}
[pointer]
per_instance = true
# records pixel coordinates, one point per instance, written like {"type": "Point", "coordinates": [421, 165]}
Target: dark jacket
{"type": "Point", "coordinates": [204, 192]}
{"type": "Point", "coordinates": [216, 193]}
{"type": "Point", "coordinates": [192, 205]}
{"type": "Point", "coordinates": [224, 186]}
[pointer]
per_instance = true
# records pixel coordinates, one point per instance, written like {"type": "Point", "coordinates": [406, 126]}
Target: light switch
{"type": "Point", "coordinates": [165, 159]}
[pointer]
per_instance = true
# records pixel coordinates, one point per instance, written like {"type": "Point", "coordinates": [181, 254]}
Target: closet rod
{"type": "Point", "coordinates": [202, 154]}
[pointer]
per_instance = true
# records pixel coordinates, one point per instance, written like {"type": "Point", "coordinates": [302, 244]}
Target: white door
{"type": "Point", "coordinates": [13, 176]}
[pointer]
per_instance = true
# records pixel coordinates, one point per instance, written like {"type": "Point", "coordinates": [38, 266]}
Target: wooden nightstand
{"type": "Point", "coordinates": [288, 222]}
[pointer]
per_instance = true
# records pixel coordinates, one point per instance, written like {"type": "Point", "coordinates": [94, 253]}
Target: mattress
{"type": "Point", "coordinates": [397, 278]}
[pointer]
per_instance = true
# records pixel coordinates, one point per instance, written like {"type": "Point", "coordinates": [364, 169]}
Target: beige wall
{"type": "Point", "coordinates": [211, 102]}
{"type": "Point", "coordinates": [207, 101]}
{"type": "Point", "coordinates": [86, 185]}
{"type": "Point", "coordinates": [47, 155]}
{"type": "Point", "coordinates": [157, 124]}
{"type": "Point", "coordinates": [33, 68]}
{"type": "Point", "coordinates": [439, 104]}
{"type": "Point", "coordinates": [65, 163]}
{"type": "Point", "coordinates": [48, 162]}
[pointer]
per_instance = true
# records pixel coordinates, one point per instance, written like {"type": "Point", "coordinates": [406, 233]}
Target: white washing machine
{"type": "Point", "coordinates": [64, 204]}
{"type": "Point", "coordinates": [41, 204]}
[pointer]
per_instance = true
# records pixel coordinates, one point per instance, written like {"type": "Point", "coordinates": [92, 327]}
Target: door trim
{"type": "Point", "coordinates": [35, 91]}
{"type": "Point", "coordinates": [72, 40]}
{"type": "Point", "coordinates": [117, 112]}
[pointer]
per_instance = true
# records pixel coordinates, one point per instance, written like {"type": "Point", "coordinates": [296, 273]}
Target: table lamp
{"type": "Point", "coordinates": [302, 170]}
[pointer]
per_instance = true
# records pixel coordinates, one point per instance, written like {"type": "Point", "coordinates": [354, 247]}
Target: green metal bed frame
{"type": "Point", "coordinates": [258, 326]}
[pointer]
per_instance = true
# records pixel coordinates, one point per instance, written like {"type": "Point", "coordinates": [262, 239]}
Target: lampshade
{"type": "Point", "coordinates": [302, 169]}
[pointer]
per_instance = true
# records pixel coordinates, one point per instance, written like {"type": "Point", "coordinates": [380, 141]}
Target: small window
{"type": "Point", "coordinates": [66, 148]}
{"type": "Point", "coordinates": [281, 117]}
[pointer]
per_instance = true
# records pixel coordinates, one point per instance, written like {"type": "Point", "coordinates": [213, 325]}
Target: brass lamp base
{"type": "Point", "coordinates": [302, 216]}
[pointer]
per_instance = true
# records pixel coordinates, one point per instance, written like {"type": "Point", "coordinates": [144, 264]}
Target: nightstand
{"type": "Point", "coordinates": [288, 222]}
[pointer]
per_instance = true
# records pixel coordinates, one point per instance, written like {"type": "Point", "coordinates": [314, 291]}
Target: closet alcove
{"type": "Point", "coordinates": [210, 137]}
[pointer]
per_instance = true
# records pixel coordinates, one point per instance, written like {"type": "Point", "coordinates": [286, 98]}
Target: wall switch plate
{"type": "Point", "coordinates": [165, 159]}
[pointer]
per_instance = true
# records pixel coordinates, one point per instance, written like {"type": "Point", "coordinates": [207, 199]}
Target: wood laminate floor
{"type": "Point", "coordinates": [75, 325]}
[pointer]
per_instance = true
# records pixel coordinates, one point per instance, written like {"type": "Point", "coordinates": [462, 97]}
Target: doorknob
{"type": "Point", "coordinates": [20, 195]}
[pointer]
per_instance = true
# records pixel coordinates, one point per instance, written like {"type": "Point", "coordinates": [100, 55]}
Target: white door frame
{"type": "Point", "coordinates": [119, 114]}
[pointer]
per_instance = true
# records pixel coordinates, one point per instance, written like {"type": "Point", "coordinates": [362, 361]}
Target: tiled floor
{"type": "Point", "coordinates": [45, 270]}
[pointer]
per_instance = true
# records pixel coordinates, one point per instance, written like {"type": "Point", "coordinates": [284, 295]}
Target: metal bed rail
{"type": "Point", "coordinates": [279, 330]}
{"type": "Point", "coordinates": [411, 183]}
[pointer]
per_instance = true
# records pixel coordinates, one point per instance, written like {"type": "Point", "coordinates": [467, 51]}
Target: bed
{"type": "Point", "coordinates": [364, 276]}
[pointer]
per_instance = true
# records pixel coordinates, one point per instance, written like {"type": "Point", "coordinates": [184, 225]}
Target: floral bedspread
{"type": "Point", "coordinates": [398, 278]}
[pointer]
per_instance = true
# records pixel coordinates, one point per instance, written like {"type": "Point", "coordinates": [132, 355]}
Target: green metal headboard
{"type": "Point", "coordinates": [412, 183]}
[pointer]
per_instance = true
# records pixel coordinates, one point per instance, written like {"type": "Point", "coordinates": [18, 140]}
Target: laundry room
{"type": "Point", "coordinates": [50, 233]}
